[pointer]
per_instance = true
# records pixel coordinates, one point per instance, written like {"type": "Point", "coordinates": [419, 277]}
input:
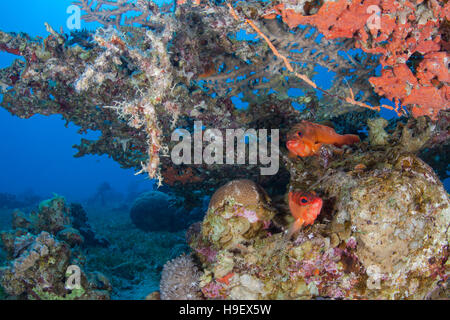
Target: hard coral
{"type": "Point", "coordinates": [383, 232]}
{"type": "Point", "coordinates": [68, 223]}
{"type": "Point", "coordinates": [115, 13]}
{"type": "Point", "coordinates": [237, 211]}
{"type": "Point", "coordinates": [180, 280]}
{"type": "Point", "coordinates": [399, 217]}
{"type": "Point", "coordinates": [172, 176]}
{"type": "Point", "coordinates": [155, 211]}
{"type": "Point", "coordinates": [38, 271]}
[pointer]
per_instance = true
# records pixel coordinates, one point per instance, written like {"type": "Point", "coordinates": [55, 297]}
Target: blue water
{"type": "Point", "coordinates": [37, 153]}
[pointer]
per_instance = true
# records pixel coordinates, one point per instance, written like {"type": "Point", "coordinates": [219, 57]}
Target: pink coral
{"type": "Point", "coordinates": [209, 253]}
{"type": "Point", "coordinates": [214, 290]}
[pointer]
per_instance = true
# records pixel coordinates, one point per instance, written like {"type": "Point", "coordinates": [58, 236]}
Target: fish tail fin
{"type": "Point", "coordinates": [348, 139]}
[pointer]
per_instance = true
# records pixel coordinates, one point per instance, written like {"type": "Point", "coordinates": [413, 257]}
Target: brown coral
{"type": "Point", "coordinates": [237, 211]}
{"type": "Point", "coordinates": [244, 192]}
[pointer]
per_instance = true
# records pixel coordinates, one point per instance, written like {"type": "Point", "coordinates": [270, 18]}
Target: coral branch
{"type": "Point", "coordinates": [305, 78]}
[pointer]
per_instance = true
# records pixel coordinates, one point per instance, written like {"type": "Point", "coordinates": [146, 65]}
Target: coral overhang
{"type": "Point", "coordinates": [137, 79]}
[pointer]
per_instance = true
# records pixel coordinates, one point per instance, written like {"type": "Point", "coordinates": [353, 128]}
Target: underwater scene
{"type": "Point", "coordinates": [224, 150]}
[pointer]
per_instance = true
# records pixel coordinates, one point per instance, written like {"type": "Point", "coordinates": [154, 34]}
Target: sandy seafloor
{"type": "Point", "coordinates": [134, 260]}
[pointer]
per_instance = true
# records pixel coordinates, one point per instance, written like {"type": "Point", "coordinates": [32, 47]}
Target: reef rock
{"type": "Point", "coordinates": [382, 234]}
{"type": "Point", "coordinates": [399, 218]}
{"type": "Point", "coordinates": [67, 223]}
{"type": "Point", "coordinates": [80, 222]}
{"type": "Point", "coordinates": [39, 271]}
{"type": "Point", "coordinates": [41, 249]}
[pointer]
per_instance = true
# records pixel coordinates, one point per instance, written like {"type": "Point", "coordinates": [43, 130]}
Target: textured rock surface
{"type": "Point", "coordinates": [38, 270]}
{"type": "Point", "coordinates": [40, 249]}
{"type": "Point", "coordinates": [400, 219]}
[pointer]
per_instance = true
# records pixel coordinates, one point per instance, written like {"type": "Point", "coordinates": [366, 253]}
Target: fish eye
{"type": "Point", "coordinates": [303, 200]}
{"type": "Point", "coordinates": [299, 133]}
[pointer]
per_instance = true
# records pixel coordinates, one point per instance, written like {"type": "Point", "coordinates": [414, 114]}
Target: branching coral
{"type": "Point", "coordinates": [117, 13]}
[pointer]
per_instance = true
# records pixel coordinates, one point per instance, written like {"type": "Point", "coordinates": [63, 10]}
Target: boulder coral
{"type": "Point", "coordinates": [156, 211]}
{"type": "Point", "coordinates": [399, 219]}
{"type": "Point", "coordinates": [239, 210]}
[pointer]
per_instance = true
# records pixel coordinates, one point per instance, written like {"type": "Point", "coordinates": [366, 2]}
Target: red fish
{"type": "Point", "coordinates": [306, 138]}
{"type": "Point", "coordinates": [305, 207]}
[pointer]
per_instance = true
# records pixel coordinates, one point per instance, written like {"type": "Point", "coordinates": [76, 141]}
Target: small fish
{"type": "Point", "coordinates": [305, 207]}
{"type": "Point", "coordinates": [306, 138]}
